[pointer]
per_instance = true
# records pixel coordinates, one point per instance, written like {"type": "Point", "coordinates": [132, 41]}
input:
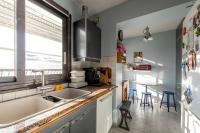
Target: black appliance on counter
{"type": "Point", "coordinates": [92, 76]}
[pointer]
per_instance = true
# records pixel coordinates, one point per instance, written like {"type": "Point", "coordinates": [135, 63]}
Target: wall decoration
{"type": "Point", "coordinates": [184, 31]}
{"type": "Point", "coordinates": [190, 38]}
{"type": "Point", "coordinates": [185, 69]}
{"type": "Point", "coordinates": [192, 60]}
{"type": "Point", "coordinates": [188, 95]}
{"type": "Point", "coordinates": [187, 48]}
{"type": "Point", "coordinates": [198, 31]}
{"type": "Point", "coordinates": [130, 67]}
{"type": "Point", "coordinates": [121, 50]}
{"type": "Point", "coordinates": [196, 39]}
{"type": "Point", "coordinates": [196, 18]}
{"type": "Point", "coordinates": [183, 45]}
{"type": "Point", "coordinates": [138, 57]}
{"type": "Point", "coordinates": [144, 67]}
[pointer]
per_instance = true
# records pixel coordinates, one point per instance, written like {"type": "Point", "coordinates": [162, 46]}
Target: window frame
{"type": "Point", "coordinates": [20, 57]}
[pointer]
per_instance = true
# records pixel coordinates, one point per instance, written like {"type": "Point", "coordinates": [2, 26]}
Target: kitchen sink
{"type": "Point", "coordinates": [16, 110]}
{"type": "Point", "coordinates": [69, 93]}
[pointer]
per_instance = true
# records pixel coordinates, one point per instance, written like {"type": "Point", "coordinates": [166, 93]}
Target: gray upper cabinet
{"type": "Point", "coordinates": [87, 41]}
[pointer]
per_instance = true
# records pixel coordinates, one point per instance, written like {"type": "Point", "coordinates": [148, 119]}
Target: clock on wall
{"type": "Point", "coordinates": [120, 35]}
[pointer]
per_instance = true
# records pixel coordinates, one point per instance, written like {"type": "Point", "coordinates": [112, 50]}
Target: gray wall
{"type": "Point", "coordinates": [161, 53]}
{"type": "Point", "coordinates": [128, 10]}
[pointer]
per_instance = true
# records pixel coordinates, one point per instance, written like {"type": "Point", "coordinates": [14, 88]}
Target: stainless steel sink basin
{"type": "Point", "coordinates": [16, 110]}
{"type": "Point", "coordinates": [70, 93]}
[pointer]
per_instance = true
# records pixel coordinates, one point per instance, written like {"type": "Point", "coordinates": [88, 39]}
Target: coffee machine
{"type": "Point", "coordinates": [92, 76]}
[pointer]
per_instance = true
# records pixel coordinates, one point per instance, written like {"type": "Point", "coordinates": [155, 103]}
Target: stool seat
{"type": "Point", "coordinates": [168, 93]}
{"type": "Point", "coordinates": [125, 105]}
{"type": "Point", "coordinates": [146, 93]}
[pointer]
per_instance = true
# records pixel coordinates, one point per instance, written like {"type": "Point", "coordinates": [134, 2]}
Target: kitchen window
{"type": "Point", "coordinates": [39, 38]}
{"type": "Point", "coordinates": [7, 43]}
{"type": "Point", "coordinates": [43, 40]}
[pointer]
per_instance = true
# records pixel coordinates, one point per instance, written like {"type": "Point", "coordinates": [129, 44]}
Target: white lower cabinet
{"type": "Point", "coordinates": [104, 113]}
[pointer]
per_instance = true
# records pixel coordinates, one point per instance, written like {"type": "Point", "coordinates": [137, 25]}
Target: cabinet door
{"type": "Point", "coordinates": [61, 126]}
{"type": "Point", "coordinates": [104, 113]}
{"type": "Point", "coordinates": [85, 122]}
{"type": "Point", "coordinates": [63, 129]}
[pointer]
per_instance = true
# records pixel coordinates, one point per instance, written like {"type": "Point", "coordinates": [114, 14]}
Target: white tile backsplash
{"type": "Point", "coordinates": [21, 93]}
{"type": "Point", "coordinates": [8, 96]}
{"type": "Point", "coordinates": [32, 91]}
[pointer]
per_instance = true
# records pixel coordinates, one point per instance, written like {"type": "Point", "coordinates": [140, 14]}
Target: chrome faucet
{"type": "Point", "coordinates": [42, 76]}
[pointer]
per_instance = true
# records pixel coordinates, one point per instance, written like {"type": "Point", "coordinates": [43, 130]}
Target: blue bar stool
{"type": "Point", "coordinates": [132, 91]}
{"type": "Point", "coordinates": [146, 96]}
{"type": "Point", "coordinates": [168, 93]}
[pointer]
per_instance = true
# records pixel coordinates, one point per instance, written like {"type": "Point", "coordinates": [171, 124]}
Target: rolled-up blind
{"type": "Point", "coordinates": [37, 23]}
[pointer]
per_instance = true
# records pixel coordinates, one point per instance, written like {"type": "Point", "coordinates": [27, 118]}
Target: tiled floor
{"type": "Point", "coordinates": [148, 121]}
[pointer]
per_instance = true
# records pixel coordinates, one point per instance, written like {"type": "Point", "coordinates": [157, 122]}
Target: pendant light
{"type": "Point", "coordinates": [147, 34]}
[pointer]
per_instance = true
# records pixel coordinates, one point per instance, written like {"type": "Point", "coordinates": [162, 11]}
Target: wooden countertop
{"type": "Point", "coordinates": [74, 106]}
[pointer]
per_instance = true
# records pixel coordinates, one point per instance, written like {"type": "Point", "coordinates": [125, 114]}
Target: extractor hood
{"type": "Point", "coordinates": [87, 39]}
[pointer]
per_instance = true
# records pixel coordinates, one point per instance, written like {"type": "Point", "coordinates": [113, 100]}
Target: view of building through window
{"type": "Point", "coordinates": [43, 40]}
{"type": "Point", "coordinates": [7, 34]}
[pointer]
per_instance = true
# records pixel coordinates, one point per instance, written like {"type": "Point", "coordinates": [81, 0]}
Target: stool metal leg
{"type": "Point", "coordinates": [124, 114]}
{"type": "Point", "coordinates": [168, 102]}
{"type": "Point", "coordinates": [174, 103]}
{"type": "Point", "coordinates": [141, 100]}
{"type": "Point", "coordinates": [144, 101]}
{"type": "Point", "coordinates": [162, 100]}
{"type": "Point", "coordinates": [126, 123]}
{"type": "Point", "coordinates": [129, 115]}
{"type": "Point", "coordinates": [151, 102]}
{"type": "Point", "coordinates": [148, 100]}
{"type": "Point", "coordinates": [133, 97]}
{"type": "Point", "coordinates": [136, 96]}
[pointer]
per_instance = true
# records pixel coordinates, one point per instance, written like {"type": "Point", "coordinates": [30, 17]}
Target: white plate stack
{"type": "Point", "coordinates": [77, 79]}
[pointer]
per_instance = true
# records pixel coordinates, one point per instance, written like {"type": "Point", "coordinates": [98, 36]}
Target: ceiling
{"type": "Point", "coordinates": [96, 6]}
{"type": "Point", "coordinates": [163, 20]}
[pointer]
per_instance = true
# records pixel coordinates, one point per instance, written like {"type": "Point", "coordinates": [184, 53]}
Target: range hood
{"type": "Point", "coordinates": [87, 39]}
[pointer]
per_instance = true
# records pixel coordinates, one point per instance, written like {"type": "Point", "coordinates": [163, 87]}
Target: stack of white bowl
{"type": "Point", "coordinates": [77, 79]}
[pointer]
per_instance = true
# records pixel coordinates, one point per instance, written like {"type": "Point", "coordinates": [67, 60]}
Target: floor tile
{"type": "Point", "coordinates": [148, 121]}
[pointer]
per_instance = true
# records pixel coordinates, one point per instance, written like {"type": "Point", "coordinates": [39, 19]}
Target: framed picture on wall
{"type": "Point", "coordinates": [138, 57]}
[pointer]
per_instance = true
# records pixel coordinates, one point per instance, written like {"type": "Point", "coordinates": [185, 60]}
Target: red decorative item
{"type": "Point", "coordinates": [184, 31]}
{"type": "Point", "coordinates": [121, 48]}
{"type": "Point", "coordinates": [143, 67]}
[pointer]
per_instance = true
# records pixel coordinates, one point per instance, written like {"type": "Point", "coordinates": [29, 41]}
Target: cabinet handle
{"type": "Point", "coordinates": [103, 99]}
